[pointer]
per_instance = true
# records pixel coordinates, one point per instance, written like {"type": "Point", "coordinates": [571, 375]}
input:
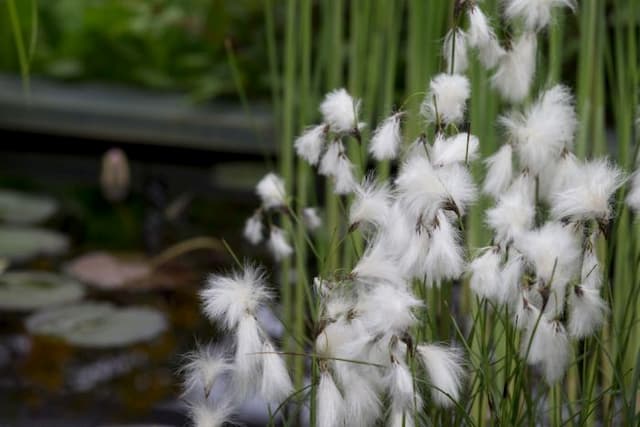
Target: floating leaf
{"type": "Point", "coordinates": [98, 325]}
{"type": "Point", "coordinates": [25, 209]}
{"type": "Point", "coordinates": [29, 290]}
{"type": "Point", "coordinates": [20, 244]}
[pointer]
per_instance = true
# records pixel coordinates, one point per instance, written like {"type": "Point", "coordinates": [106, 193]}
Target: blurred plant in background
{"type": "Point", "coordinates": [159, 44]}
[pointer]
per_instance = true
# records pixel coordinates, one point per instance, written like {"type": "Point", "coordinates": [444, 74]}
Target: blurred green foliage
{"type": "Point", "coordinates": [159, 44]}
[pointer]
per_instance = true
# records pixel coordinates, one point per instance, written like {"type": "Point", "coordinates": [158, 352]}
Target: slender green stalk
{"type": "Point", "coordinates": [302, 191]}
{"type": "Point", "coordinates": [286, 161]}
{"type": "Point", "coordinates": [333, 11]}
{"type": "Point", "coordinates": [23, 54]}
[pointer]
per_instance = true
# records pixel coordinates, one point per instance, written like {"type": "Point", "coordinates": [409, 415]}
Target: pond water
{"type": "Point", "coordinates": [97, 335]}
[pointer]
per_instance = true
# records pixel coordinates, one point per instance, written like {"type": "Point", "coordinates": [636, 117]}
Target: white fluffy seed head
{"type": "Point", "coordinates": [482, 37]}
{"type": "Point", "coordinates": [591, 275]}
{"type": "Point", "coordinates": [444, 367]}
{"type": "Point", "coordinates": [558, 354]}
{"type": "Point", "coordinates": [330, 159]}
{"type": "Point", "coordinates": [275, 384]}
{"type": "Point", "coordinates": [510, 277]}
{"type": "Point", "coordinates": [480, 32]}
{"type": "Point", "coordinates": [329, 402]}
{"type": "Point", "coordinates": [446, 99]}
{"type": "Point", "coordinates": [485, 275]}
{"type": "Point", "coordinates": [278, 244]}
{"type": "Point", "coordinates": [205, 414]}
{"type": "Point", "coordinates": [445, 258]}
{"type": "Point", "coordinates": [386, 138]}
{"type": "Point", "coordinates": [399, 383]}
{"type": "Point", "coordinates": [459, 148]}
{"type": "Point", "coordinates": [344, 180]}
{"type": "Point", "coordinates": [202, 368]}
{"type": "Point", "coordinates": [545, 130]}
{"type": "Point", "coordinates": [588, 197]}
{"type": "Point", "coordinates": [340, 111]}
{"type": "Point", "coordinates": [515, 210]}
{"type": "Point", "coordinates": [253, 229]}
{"type": "Point", "coordinates": [309, 144]}
{"type": "Point", "coordinates": [377, 264]}
{"type": "Point", "coordinates": [419, 187]}
{"type": "Point", "coordinates": [523, 313]}
{"type": "Point", "coordinates": [536, 14]}
{"type": "Point", "coordinates": [558, 175]}
{"type": "Point", "coordinates": [229, 299]}
{"type": "Point", "coordinates": [499, 171]}
{"type": "Point", "coordinates": [311, 218]}
{"type": "Point", "coordinates": [459, 185]}
{"type": "Point", "coordinates": [271, 191]}
{"type": "Point", "coordinates": [399, 418]}
{"type": "Point", "coordinates": [454, 50]}
{"type": "Point", "coordinates": [587, 311]}
{"type": "Point", "coordinates": [633, 198]}
{"type": "Point", "coordinates": [387, 309]}
{"type": "Point", "coordinates": [362, 403]}
{"type": "Point", "coordinates": [546, 342]}
{"type": "Point", "coordinates": [553, 250]}
{"type": "Point", "coordinates": [371, 204]}
{"type": "Point", "coordinates": [516, 68]}
{"type": "Point", "coordinates": [247, 362]}
{"type": "Point", "coordinates": [337, 165]}
{"type": "Point", "coordinates": [342, 338]}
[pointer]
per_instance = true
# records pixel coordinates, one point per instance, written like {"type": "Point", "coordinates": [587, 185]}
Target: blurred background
{"type": "Point", "coordinates": [126, 158]}
{"type": "Point", "coordinates": [133, 132]}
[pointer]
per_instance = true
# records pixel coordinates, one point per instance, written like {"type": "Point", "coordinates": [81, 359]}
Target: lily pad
{"type": "Point", "coordinates": [61, 320]}
{"type": "Point", "coordinates": [105, 271]}
{"type": "Point", "coordinates": [30, 290]}
{"type": "Point", "coordinates": [23, 243]}
{"type": "Point", "coordinates": [98, 325]}
{"type": "Point", "coordinates": [24, 209]}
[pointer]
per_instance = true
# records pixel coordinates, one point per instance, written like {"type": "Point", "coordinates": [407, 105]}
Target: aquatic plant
{"type": "Point", "coordinates": [392, 258]}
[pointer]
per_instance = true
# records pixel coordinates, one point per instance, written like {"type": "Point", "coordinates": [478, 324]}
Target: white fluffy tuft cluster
{"type": "Point", "coordinates": [499, 171]}
{"type": "Point", "coordinates": [203, 367]}
{"type": "Point", "coordinates": [275, 385]}
{"type": "Point", "coordinates": [446, 99]}
{"type": "Point", "coordinates": [535, 14]}
{"type": "Point", "coordinates": [204, 415]}
{"type": "Point", "coordinates": [271, 191]}
{"type": "Point", "coordinates": [633, 198]}
{"type": "Point", "coordinates": [386, 138]}
{"type": "Point", "coordinates": [445, 371]}
{"type": "Point", "coordinates": [309, 145]}
{"type": "Point", "coordinates": [278, 244]}
{"type": "Point", "coordinates": [516, 68]}
{"type": "Point", "coordinates": [256, 367]}
{"type": "Point", "coordinates": [588, 194]}
{"type": "Point", "coordinates": [482, 37]}
{"type": "Point", "coordinates": [460, 148]}
{"type": "Point", "coordinates": [514, 211]}
{"type": "Point", "coordinates": [253, 229]}
{"type": "Point", "coordinates": [371, 204]}
{"type": "Point", "coordinates": [546, 221]}
{"type": "Point", "coordinates": [229, 299]}
{"type": "Point", "coordinates": [340, 111]}
{"type": "Point", "coordinates": [336, 164]}
{"type": "Point", "coordinates": [546, 129]}
{"type": "Point", "coordinates": [330, 403]}
{"type": "Point", "coordinates": [454, 50]}
{"type": "Point", "coordinates": [311, 218]}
